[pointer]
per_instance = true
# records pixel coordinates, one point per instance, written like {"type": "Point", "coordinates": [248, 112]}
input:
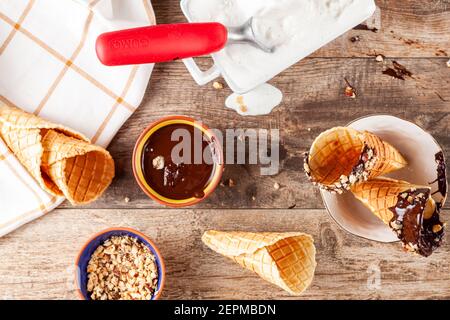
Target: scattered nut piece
{"type": "Point", "coordinates": [253, 198]}
{"type": "Point", "coordinates": [122, 268]}
{"type": "Point", "coordinates": [306, 168]}
{"type": "Point", "coordinates": [437, 228]}
{"type": "Point", "coordinates": [349, 90]}
{"type": "Point", "coordinates": [396, 225]}
{"type": "Point", "coordinates": [126, 199]}
{"type": "Point", "coordinates": [217, 85]}
{"type": "Point", "coordinates": [276, 186]}
{"type": "Point", "coordinates": [158, 163]}
{"type": "Point", "coordinates": [379, 58]}
{"type": "Point", "coordinates": [230, 183]}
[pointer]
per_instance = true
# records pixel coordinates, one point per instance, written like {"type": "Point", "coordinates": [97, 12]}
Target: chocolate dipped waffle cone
{"type": "Point", "coordinates": [284, 259]}
{"type": "Point", "coordinates": [409, 210]}
{"type": "Point", "coordinates": [379, 195]}
{"type": "Point", "coordinates": [60, 159]}
{"type": "Point", "coordinates": [342, 157]}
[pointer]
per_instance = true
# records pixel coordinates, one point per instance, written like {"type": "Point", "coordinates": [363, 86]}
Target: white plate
{"type": "Point", "coordinates": [419, 149]}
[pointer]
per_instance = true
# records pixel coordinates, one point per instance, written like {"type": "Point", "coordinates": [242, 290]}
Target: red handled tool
{"type": "Point", "coordinates": [169, 42]}
{"type": "Point", "coordinates": [160, 43]}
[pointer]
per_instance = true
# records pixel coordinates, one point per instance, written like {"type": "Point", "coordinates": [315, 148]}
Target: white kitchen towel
{"type": "Point", "coordinates": [48, 67]}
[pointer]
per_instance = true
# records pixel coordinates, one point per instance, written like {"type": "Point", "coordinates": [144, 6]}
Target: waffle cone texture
{"type": "Point", "coordinates": [381, 194]}
{"type": "Point", "coordinates": [284, 259]}
{"type": "Point", "coordinates": [408, 209]}
{"type": "Point", "coordinates": [62, 161]}
{"type": "Point", "coordinates": [341, 157]}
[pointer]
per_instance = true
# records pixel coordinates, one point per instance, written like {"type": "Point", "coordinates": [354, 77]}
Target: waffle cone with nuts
{"type": "Point", "coordinates": [284, 259]}
{"type": "Point", "coordinates": [342, 157]}
{"type": "Point", "coordinates": [409, 210]}
{"type": "Point", "coordinates": [380, 195]}
{"type": "Point", "coordinates": [62, 160]}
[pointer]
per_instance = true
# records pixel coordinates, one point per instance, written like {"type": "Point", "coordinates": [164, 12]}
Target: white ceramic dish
{"type": "Point", "coordinates": [269, 65]}
{"type": "Point", "coordinates": [417, 146]}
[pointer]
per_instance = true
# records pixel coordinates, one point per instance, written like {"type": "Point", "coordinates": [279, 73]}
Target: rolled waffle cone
{"type": "Point", "coordinates": [341, 157]}
{"type": "Point", "coordinates": [60, 159]}
{"type": "Point", "coordinates": [381, 194]}
{"type": "Point", "coordinates": [284, 259]}
{"type": "Point", "coordinates": [409, 210]}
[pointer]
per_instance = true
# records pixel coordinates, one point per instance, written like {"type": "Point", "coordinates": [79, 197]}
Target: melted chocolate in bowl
{"type": "Point", "coordinates": [183, 180]}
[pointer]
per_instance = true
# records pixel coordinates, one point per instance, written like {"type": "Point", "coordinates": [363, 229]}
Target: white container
{"type": "Point", "coordinates": [245, 67]}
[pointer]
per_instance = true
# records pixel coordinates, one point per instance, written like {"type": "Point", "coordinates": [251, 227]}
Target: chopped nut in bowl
{"type": "Point", "coordinates": [120, 264]}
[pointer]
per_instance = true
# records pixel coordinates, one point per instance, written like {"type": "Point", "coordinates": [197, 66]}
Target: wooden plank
{"type": "Point", "coordinates": [410, 28]}
{"type": "Point", "coordinates": [314, 101]}
{"type": "Point", "coordinates": [37, 259]}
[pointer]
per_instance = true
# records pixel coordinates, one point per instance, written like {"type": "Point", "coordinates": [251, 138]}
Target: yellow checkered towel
{"type": "Point", "coordinates": [48, 67]}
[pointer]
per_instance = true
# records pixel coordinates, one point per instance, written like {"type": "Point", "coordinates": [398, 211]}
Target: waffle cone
{"type": "Point", "coordinates": [284, 259]}
{"type": "Point", "coordinates": [341, 157]}
{"type": "Point", "coordinates": [381, 194]}
{"type": "Point", "coordinates": [62, 160]}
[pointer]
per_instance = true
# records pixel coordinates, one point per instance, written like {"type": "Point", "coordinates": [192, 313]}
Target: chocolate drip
{"type": "Point", "coordinates": [418, 234]}
{"type": "Point", "coordinates": [441, 174]}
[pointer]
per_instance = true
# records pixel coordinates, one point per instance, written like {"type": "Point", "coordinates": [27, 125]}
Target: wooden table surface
{"type": "Point", "coordinates": [36, 260]}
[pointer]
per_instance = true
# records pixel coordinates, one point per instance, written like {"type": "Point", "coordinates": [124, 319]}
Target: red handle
{"type": "Point", "coordinates": [160, 43]}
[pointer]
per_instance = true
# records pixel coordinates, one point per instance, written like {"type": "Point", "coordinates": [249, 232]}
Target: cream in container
{"type": "Point", "coordinates": [295, 27]}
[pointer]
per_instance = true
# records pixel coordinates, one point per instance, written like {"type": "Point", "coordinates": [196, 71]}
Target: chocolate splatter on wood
{"type": "Point", "coordinates": [441, 174]}
{"type": "Point", "coordinates": [439, 52]}
{"type": "Point", "coordinates": [411, 42]}
{"type": "Point", "coordinates": [355, 39]}
{"type": "Point", "coordinates": [373, 23]}
{"type": "Point", "coordinates": [398, 71]}
{"type": "Point", "coordinates": [440, 96]}
{"type": "Point", "coordinates": [365, 27]}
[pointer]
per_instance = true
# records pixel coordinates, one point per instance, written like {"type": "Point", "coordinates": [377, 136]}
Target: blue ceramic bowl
{"type": "Point", "coordinates": [88, 249]}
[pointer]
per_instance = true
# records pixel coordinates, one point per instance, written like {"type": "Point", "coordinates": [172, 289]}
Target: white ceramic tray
{"type": "Point", "coordinates": [361, 11]}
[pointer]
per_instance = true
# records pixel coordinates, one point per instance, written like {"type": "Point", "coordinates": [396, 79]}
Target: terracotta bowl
{"type": "Point", "coordinates": [137, 161]}
{"type": "Point", "coordinates": [91, 245]}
